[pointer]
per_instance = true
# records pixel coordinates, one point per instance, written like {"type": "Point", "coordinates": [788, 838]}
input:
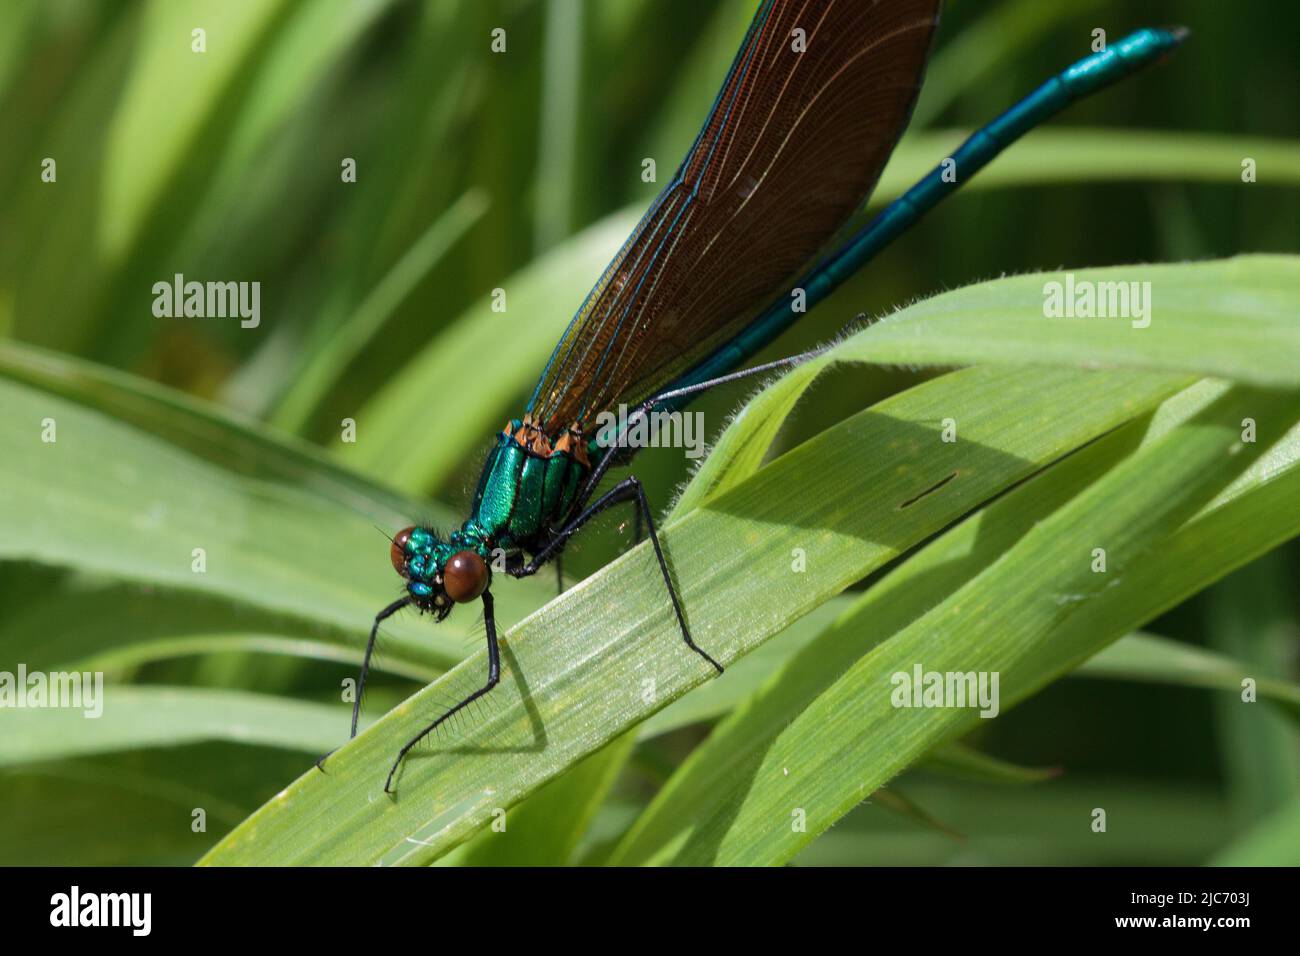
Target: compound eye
{"type": "Point", "coordinates": [398, 551]}
{"type": "Point", "coordinates": [465, 577]}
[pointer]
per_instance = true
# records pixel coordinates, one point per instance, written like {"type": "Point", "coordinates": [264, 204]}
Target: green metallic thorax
{"type": "Point", "coordinates": [521, 495]}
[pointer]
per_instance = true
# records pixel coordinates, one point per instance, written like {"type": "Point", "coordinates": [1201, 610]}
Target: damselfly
{"type": "Point", "coordinates": [811, 108]}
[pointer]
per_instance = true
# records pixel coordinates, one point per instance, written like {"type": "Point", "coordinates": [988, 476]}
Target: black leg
{"type": "Point", "coordinates": [629, 489]}
{"type": "Point", "coordinates": [623, 454]}
{"type": "Point", "coordinates": [494, 675]}
{"type": "Point", "coordinates": [365, 661]}
{"type": "Point", "coordinates": [365, 667]}
{"type": "Point", "coordinates": [789, 361]}
{"type": "Point", "coordinates": [559, 574]}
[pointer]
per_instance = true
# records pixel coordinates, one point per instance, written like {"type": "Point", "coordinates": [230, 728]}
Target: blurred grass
{"type": "Point", "coordinates": [522, 172]}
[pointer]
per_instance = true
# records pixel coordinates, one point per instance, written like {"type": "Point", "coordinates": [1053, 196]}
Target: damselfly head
{"type": "Point", "coordinates": [438, 574]}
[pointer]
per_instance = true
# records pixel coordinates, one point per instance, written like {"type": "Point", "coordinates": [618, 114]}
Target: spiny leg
{"type": "Point", "coordinates": [629, 489]}
{"type": "Point", "coordinates": [494, 675]}
{"type": "Point", "coordinates": [621, 454]}
{"type": "Point", "coordinates": [365, 668]}
{"type": "Point", "coordinates": [643, 511]}
{"type": "Point", "coordinates": [365, 661]}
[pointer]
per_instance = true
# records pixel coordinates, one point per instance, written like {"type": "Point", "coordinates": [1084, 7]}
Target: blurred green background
{"type": "Point", "coordinates": [522, 171]}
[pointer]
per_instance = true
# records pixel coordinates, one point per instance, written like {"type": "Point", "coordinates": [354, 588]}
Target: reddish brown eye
{"type": "Point", "coordinates": [465, 577]}
{"type": "Point", "coordinates": [398, 551]}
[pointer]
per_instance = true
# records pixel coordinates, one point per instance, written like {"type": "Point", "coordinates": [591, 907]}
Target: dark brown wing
{"type": "Point", "coordinates": [794, 144]}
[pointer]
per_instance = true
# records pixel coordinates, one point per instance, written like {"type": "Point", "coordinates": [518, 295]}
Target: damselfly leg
{"type": "Point", "coordinates": [494, 675]}
{"type": "Point", "coordinates": [365, 669]}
